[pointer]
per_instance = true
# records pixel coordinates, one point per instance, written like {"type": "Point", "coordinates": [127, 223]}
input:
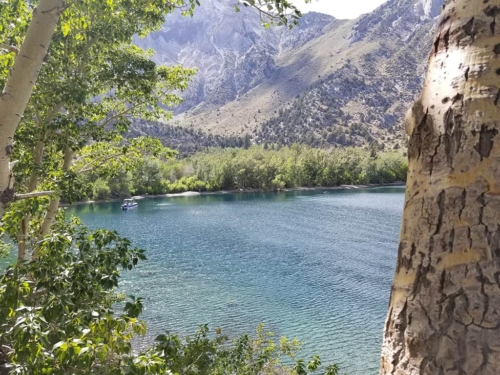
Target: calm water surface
{"type": "Point", "coordinates": [307, 264]}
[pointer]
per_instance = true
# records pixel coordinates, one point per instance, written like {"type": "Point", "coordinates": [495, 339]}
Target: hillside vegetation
{"type": "Point", "coordinates": [186, 141]}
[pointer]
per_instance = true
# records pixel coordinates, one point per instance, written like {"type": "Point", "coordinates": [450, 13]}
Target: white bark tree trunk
{"type": "Point", "coordinates": [444, 312]}
{"type": "Point", "coordinates": [19, 86]}
{"type": "Point", "coordinates": [53, 207]}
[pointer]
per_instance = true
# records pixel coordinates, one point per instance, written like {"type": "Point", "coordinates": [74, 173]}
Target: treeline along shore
{"type": "Point", "coordinates": [252, 169]}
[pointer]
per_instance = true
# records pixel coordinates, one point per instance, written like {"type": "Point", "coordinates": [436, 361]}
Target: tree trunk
{"type": "Point", "coordinates": [19, 86]}
{"type": "Point", "coordinates": [444, 313]}
{"type": "Point", "coordinates": [22, 246]}
{"type": "Point", "coordinates": [53, 207]}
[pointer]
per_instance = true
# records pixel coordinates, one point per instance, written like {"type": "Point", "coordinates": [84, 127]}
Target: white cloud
{"type": "Point", "coordinates": [339, 8]}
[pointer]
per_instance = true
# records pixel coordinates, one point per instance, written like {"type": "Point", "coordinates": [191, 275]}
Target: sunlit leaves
{"type": "Point", "coordinates": [11, 221]}
{"type": "Point", "coordinates": [262, 354]}
{"type": "Point", "coordinates": [95, 81]}
{"type": "Point", "coordinates": [14, 21]}
{"type": "Point", "coordinates": [108, 158]}
{"type": "Point", "coordinates": [56, 311]}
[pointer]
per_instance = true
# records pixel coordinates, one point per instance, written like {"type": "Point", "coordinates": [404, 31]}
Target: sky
{"type": "Point", "coordinates": [340, 8]}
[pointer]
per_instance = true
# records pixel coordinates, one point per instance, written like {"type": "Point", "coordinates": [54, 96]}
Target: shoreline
{"type": "Point", "coordinates": [241, 191]}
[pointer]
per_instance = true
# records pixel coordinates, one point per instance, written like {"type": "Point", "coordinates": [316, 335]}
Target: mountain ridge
{"type": "Point", "coordinates": [232, 51]}
{"type": "Point", "coordinates": [328, 82]}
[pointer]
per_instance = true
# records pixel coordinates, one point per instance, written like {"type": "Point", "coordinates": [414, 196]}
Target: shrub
{"type": "Point", "coordinates": [101, 189]}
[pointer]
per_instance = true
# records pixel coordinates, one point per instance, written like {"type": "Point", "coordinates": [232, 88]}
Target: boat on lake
{"type": "Point", "coordinates": [129, 204]}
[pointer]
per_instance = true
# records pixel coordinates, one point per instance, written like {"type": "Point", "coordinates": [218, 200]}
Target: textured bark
{"type": "Point", "coordinates": [444, 312]}
{"type": "Point", "coordinates": [19, 86]}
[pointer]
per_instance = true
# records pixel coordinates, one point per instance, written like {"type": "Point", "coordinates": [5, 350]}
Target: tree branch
{"type": "Point", "coordinates": [53, 112]}
{"type": "Point", "coordinates": [88, 46]}
{"type": "Point", "coordinates": [89, 166]}
{"type": "Point", "coordinates": [51, 213]}
{"type": "Point", "coordinates": [9, 48]}
{"type": "Point", "coordinates": [118, 115]}
{"type": "Point", "coordinates": [129, 109]}
{"type": "Point", "coordinates": [272, 16]}
{"type": "Point", "coordinates": [33, 194]}
{"type": "Point", "coordinates": [38, 114]}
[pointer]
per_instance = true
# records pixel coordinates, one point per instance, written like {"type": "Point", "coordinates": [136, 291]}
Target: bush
{"type": "Point", "coordinates": [101, 189]}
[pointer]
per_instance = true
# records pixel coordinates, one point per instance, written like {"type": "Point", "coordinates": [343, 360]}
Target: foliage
{"type": "Point", "coordinates": [261, 354]}
{"type": "Point", "coordinates": [295, 166]}
{"type": "Point", "coordinates": [34, 208]}
{"type": "Point", "coordinates": [101, 190]}
{"type": "Point", "coordinates": [5, 247]}
{"type": "Point", "coordinates": [93, 83]}
{"type": "Point", "coordinates": [58, 308]}
{"type": "Point", "coordinates": [274, 12]}
{"type": "Point", "coordinates": [319, 118]}
{"type": "Point", "coordinates": [257, 168]}
{"type": "Point", "coordinates": [14, 16]}
{"type": "Point", "coordinates": [107, 158]}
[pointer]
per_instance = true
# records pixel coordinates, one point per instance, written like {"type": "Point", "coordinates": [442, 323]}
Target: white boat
{"type": "Point", "coordinates": [129, 204]}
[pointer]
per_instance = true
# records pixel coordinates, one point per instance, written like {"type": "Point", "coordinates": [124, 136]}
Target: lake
{"type": "Point", "coordinates": [309, 265]}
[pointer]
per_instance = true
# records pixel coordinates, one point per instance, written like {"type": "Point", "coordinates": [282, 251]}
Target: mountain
{"type": "Point", "coordinates": [365, 98]}
{"type": "Point", "coordinates": [327, 82]}
{"type": "Point", "coordinates": [232, 51]}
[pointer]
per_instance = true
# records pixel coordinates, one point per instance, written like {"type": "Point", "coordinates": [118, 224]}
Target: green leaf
{"type": "Point", "coordinates": [66, 28]}
{"type": "Point", "coordinates": [60, 344]}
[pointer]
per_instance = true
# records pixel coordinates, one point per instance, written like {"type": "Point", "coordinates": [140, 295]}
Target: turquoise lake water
{"type": "Point", "coordinates": [309, 265]}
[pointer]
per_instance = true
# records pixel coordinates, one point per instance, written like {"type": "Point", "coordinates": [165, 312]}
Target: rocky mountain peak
{"type": "Point", "coordinates": [327, 82]}
{"type": "Point", "coordinates": [231, 50]}
{"type": "Point", "coordinates": [426, 9]}
{"type": "Point", "coordinates": [396, 17]}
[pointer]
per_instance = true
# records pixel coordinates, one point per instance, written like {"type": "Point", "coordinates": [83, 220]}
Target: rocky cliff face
{"type": "Point", "coordinates": [398, 19]}
{"type": "Point", "coordinates": [325, 82]}
{"type": "Point", "coordinates": [232, 51]}
{"type": "Point", "coordinates": [428, 9]}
